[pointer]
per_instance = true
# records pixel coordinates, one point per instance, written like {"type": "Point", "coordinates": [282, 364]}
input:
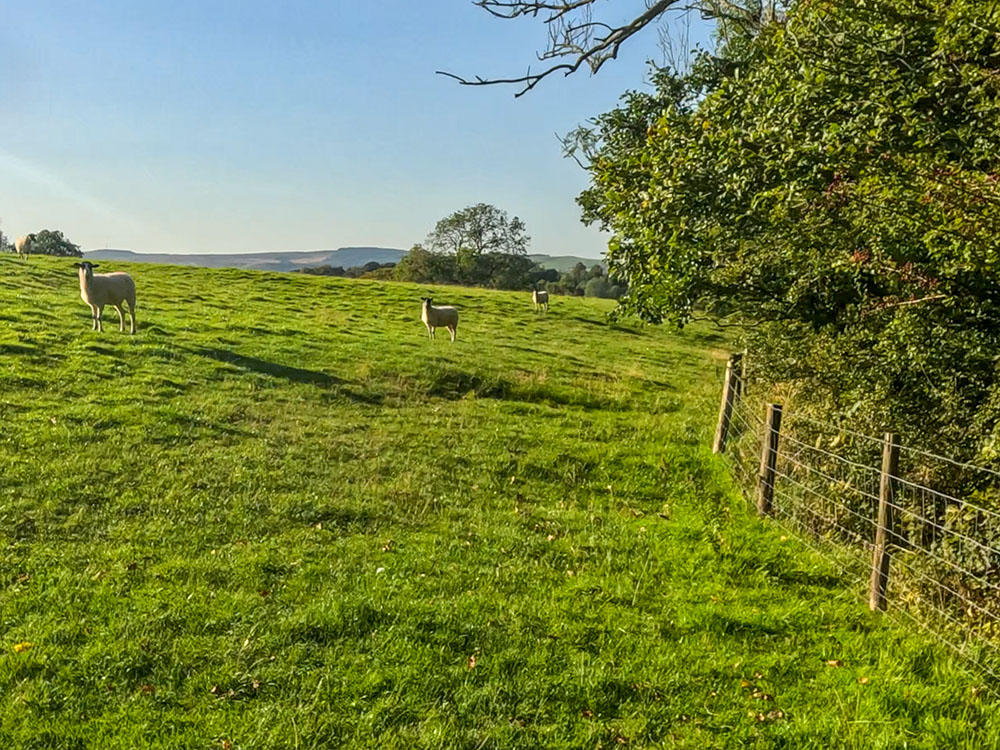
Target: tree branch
{"type": "Point", "coordinates": [585, 41]}
{"type": "Point", "coordinates": [574, 36]}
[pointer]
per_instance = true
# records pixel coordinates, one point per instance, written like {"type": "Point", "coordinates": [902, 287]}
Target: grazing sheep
{"type": "Point", "coordinates": [434, 317]}
{"type": "Point", "coordinates": [23, 245]}
{"type": "Point", "coordinates": [100, 289]}
{"type": "Point", "coordinates": [541, 299]}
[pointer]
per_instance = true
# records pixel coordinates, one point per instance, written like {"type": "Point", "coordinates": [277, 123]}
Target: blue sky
{"type": "Point", "coordinates": [248, 126]}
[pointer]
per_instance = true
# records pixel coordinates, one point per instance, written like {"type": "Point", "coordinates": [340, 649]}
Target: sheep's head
{"type": "Point", "coordinates": [426, 301]}
{"type": "Point", "coordinates": [86, 268]}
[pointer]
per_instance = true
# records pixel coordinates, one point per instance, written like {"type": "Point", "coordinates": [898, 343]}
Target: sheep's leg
{"type": "Point", "coordinates": [430, 331]}
{"type": "Point", "coordinates": [93, 317]}
{"type": "Point", "coordinates": [100, 318]}
{"type": "Point", "coordinates": [131, 317]}
{"type": "Point", "coordinates": [121, 318]}
{"type": "Point", "coordinates": [452, 330]}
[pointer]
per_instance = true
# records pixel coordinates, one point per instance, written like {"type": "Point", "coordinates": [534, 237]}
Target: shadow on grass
{"type": "Point", "coordinates": [457, 384]}
{"type": "Point", "coordinates": [611, 326]}
{"type": "Point", "coordinates": [19, 350]}
{"type": "Point", "coordinates": [295, 374]}
{"type": "Point", "coordinates": [803, 578]}
{"type": "Point", "coordinates": [739, 627]}
{"type": "Point", "coordinates": [286, 372]}
{"type": "Point", "coordinates": [337, 520]}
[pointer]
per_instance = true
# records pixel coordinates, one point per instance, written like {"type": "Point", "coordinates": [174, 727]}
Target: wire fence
{"type": "Point", "coordinates": [943, 532]}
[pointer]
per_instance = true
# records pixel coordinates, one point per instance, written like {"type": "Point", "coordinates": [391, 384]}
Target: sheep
{"type": "Point", "coordinates": [100, 289]}
{"type": "Point", "coordinates": [433, 317]}
{"type": "Point", "coordinates": [23, 245]}
{"type": "Point", "coordinates": [541, 299]}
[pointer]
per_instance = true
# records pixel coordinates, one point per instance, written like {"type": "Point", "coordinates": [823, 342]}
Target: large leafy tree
{"type": "Point", "coordinates": [839, 197]}
{"type": "Point", "coordinates": [478, 229]}
{"type": "Point", "coordinates": [53, 242]}
{"type": "Point", "coordinates": [479, 246]}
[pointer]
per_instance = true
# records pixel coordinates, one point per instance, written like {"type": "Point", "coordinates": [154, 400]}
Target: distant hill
{"type": "Point", "coordinates": [280, 261]}
{"type": "Point", "coordinates": [345, 257]}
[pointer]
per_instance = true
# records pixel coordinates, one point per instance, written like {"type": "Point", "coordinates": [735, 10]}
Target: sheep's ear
{"type": "Point", "coordinates": [78, 265]}
{"type": "Point", "coordinates": [93, 265]}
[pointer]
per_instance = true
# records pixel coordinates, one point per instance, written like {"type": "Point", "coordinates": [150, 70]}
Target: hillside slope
{"type": "Point", "coordinates": [280, 517]}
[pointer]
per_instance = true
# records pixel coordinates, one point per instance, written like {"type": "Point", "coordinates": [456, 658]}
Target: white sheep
{"type": "Point", "coordinates": [100, 289]}
{"type": "Point", "coordinates": [434, 317]}
{"type": "Point", "coordinates": [541, 299]}
{"type": "Point", "coordinates": [23, 245]}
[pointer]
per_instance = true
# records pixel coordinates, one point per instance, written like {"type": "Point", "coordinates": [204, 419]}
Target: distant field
{"type": "Point", "coordinates": [280, 517]}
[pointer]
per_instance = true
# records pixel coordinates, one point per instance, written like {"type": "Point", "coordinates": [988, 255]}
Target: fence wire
{"type": "Point", "coordinates": [944, 541]}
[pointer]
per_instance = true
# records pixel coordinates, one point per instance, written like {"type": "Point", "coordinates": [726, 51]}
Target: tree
{"type": "Point", "coordinates": [425, 267]}
{"type": "Point", "coordinates": [479, 229]}
{"type": "Point", "coordinates": [598, 286]}
{"type": "Point", "coordinates": [577, 38]}
{"type": "Point", "coordinates": [841, 198]}
{"type": "Point", "coordinates": [52, 242]}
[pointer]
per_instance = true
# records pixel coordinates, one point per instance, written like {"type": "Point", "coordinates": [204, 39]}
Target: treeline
{"type": "Point", "coordinates": [481, 246]}
{"type": "Point", "coordinates": [588, 282]}
{"type": "Point", "coordinates": [489, 270]}
{"type": "Point", "coordinates": [370, 270]}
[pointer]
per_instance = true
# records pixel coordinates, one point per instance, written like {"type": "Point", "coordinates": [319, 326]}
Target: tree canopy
{"type": "Point", "coordinates": [837, 194]}
{"type": "Point", "coordinates": [52, 242]}
{"type": "Point", "coordinates": [478, 229]}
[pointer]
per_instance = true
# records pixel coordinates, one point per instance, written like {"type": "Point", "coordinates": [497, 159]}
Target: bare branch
{"type": "Point", "coordinates": [582, 40]}
{"type": "Point", "coordinates": [577, 39]}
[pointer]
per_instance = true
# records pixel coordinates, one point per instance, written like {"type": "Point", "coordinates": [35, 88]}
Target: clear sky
{"type": "Point", "coordinates": [249, 125]}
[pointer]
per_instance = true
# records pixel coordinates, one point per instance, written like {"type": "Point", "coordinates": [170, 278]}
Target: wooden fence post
{"type": "Point", "coordinates": [741, 392]}
{"type": "Point", "coordinates": [886, 523]}
{"type": "Point", "coordinates": [768, 460]}
{"type": "Point", "coordinates": [730, 395]}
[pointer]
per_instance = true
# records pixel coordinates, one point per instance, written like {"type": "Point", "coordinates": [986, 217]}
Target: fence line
{"type": "Point", "coordinates": [926, 555]}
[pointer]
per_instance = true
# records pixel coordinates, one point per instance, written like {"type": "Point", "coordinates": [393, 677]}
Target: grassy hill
{"type": "Point", "coordinates": [280, 517]}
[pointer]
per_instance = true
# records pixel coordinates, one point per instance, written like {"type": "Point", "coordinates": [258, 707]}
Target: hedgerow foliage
{"type": "Point", "coordinates": [832, 186]}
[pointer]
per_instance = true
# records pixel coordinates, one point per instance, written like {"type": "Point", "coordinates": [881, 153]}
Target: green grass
{"type": "Point", "coordinates": [280, 517]}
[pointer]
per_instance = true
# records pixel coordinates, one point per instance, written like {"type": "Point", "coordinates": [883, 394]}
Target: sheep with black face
{"type": "Point", "coordinates": [100, 289]}
{"type": "Point", "coordinates": [541, 299]}
{"type": "Point", "coordinates": [435, 317]}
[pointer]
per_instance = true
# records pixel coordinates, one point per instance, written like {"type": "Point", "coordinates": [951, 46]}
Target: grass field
{"type": "Point", "coordinates": [280, 517]}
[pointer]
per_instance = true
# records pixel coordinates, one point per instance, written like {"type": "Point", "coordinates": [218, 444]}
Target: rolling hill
{"type": "Point", "coordinates": [295, 260]}
{"type": "Point", "coordinates": [278, 261]}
